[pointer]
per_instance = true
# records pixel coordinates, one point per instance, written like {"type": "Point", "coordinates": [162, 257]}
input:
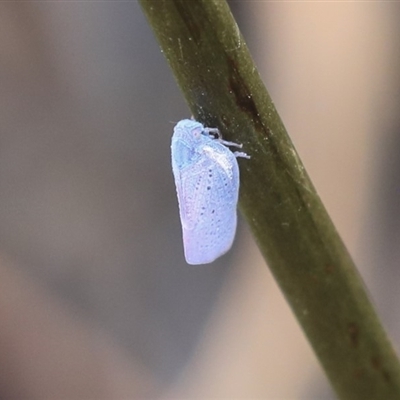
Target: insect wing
{"type": "Point", "coordinates": [207, 194]}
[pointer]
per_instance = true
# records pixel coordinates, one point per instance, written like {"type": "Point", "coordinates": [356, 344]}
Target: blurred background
{"type": "Point", "coordinates": [96, 300]}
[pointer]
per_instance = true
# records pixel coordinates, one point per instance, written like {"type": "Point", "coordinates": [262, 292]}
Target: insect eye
{"type": "Point", "coordinates": [196, 133]}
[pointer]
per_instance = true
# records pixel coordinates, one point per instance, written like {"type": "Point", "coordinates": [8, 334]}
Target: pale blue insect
{"type": "Point", "coordinates": [206, 176]}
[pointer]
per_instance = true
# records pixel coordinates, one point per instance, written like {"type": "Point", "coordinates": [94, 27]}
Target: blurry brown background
{"type": "Point", "coordinates": [96, 301]}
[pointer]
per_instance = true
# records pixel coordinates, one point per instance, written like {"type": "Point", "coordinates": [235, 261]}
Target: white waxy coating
{"type": "Point", "coordinates": [206, 175]}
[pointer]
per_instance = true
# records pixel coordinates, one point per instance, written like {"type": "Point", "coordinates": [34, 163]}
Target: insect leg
{"type": "Point", "coordinates": [214, 131]}
{"type": "Point", "coordinates": [241, 154]}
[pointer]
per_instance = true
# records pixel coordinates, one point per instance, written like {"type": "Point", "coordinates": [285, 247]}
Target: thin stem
{"type": "Point", "coordinates": [220, 82]}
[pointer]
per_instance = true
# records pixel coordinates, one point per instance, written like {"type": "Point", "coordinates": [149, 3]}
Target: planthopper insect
{"type": "Point", "coordinates": [206, 176]}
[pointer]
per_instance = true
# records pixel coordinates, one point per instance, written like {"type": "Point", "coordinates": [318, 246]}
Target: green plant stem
{"type": "Point", "coordinates": [215, 71]}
